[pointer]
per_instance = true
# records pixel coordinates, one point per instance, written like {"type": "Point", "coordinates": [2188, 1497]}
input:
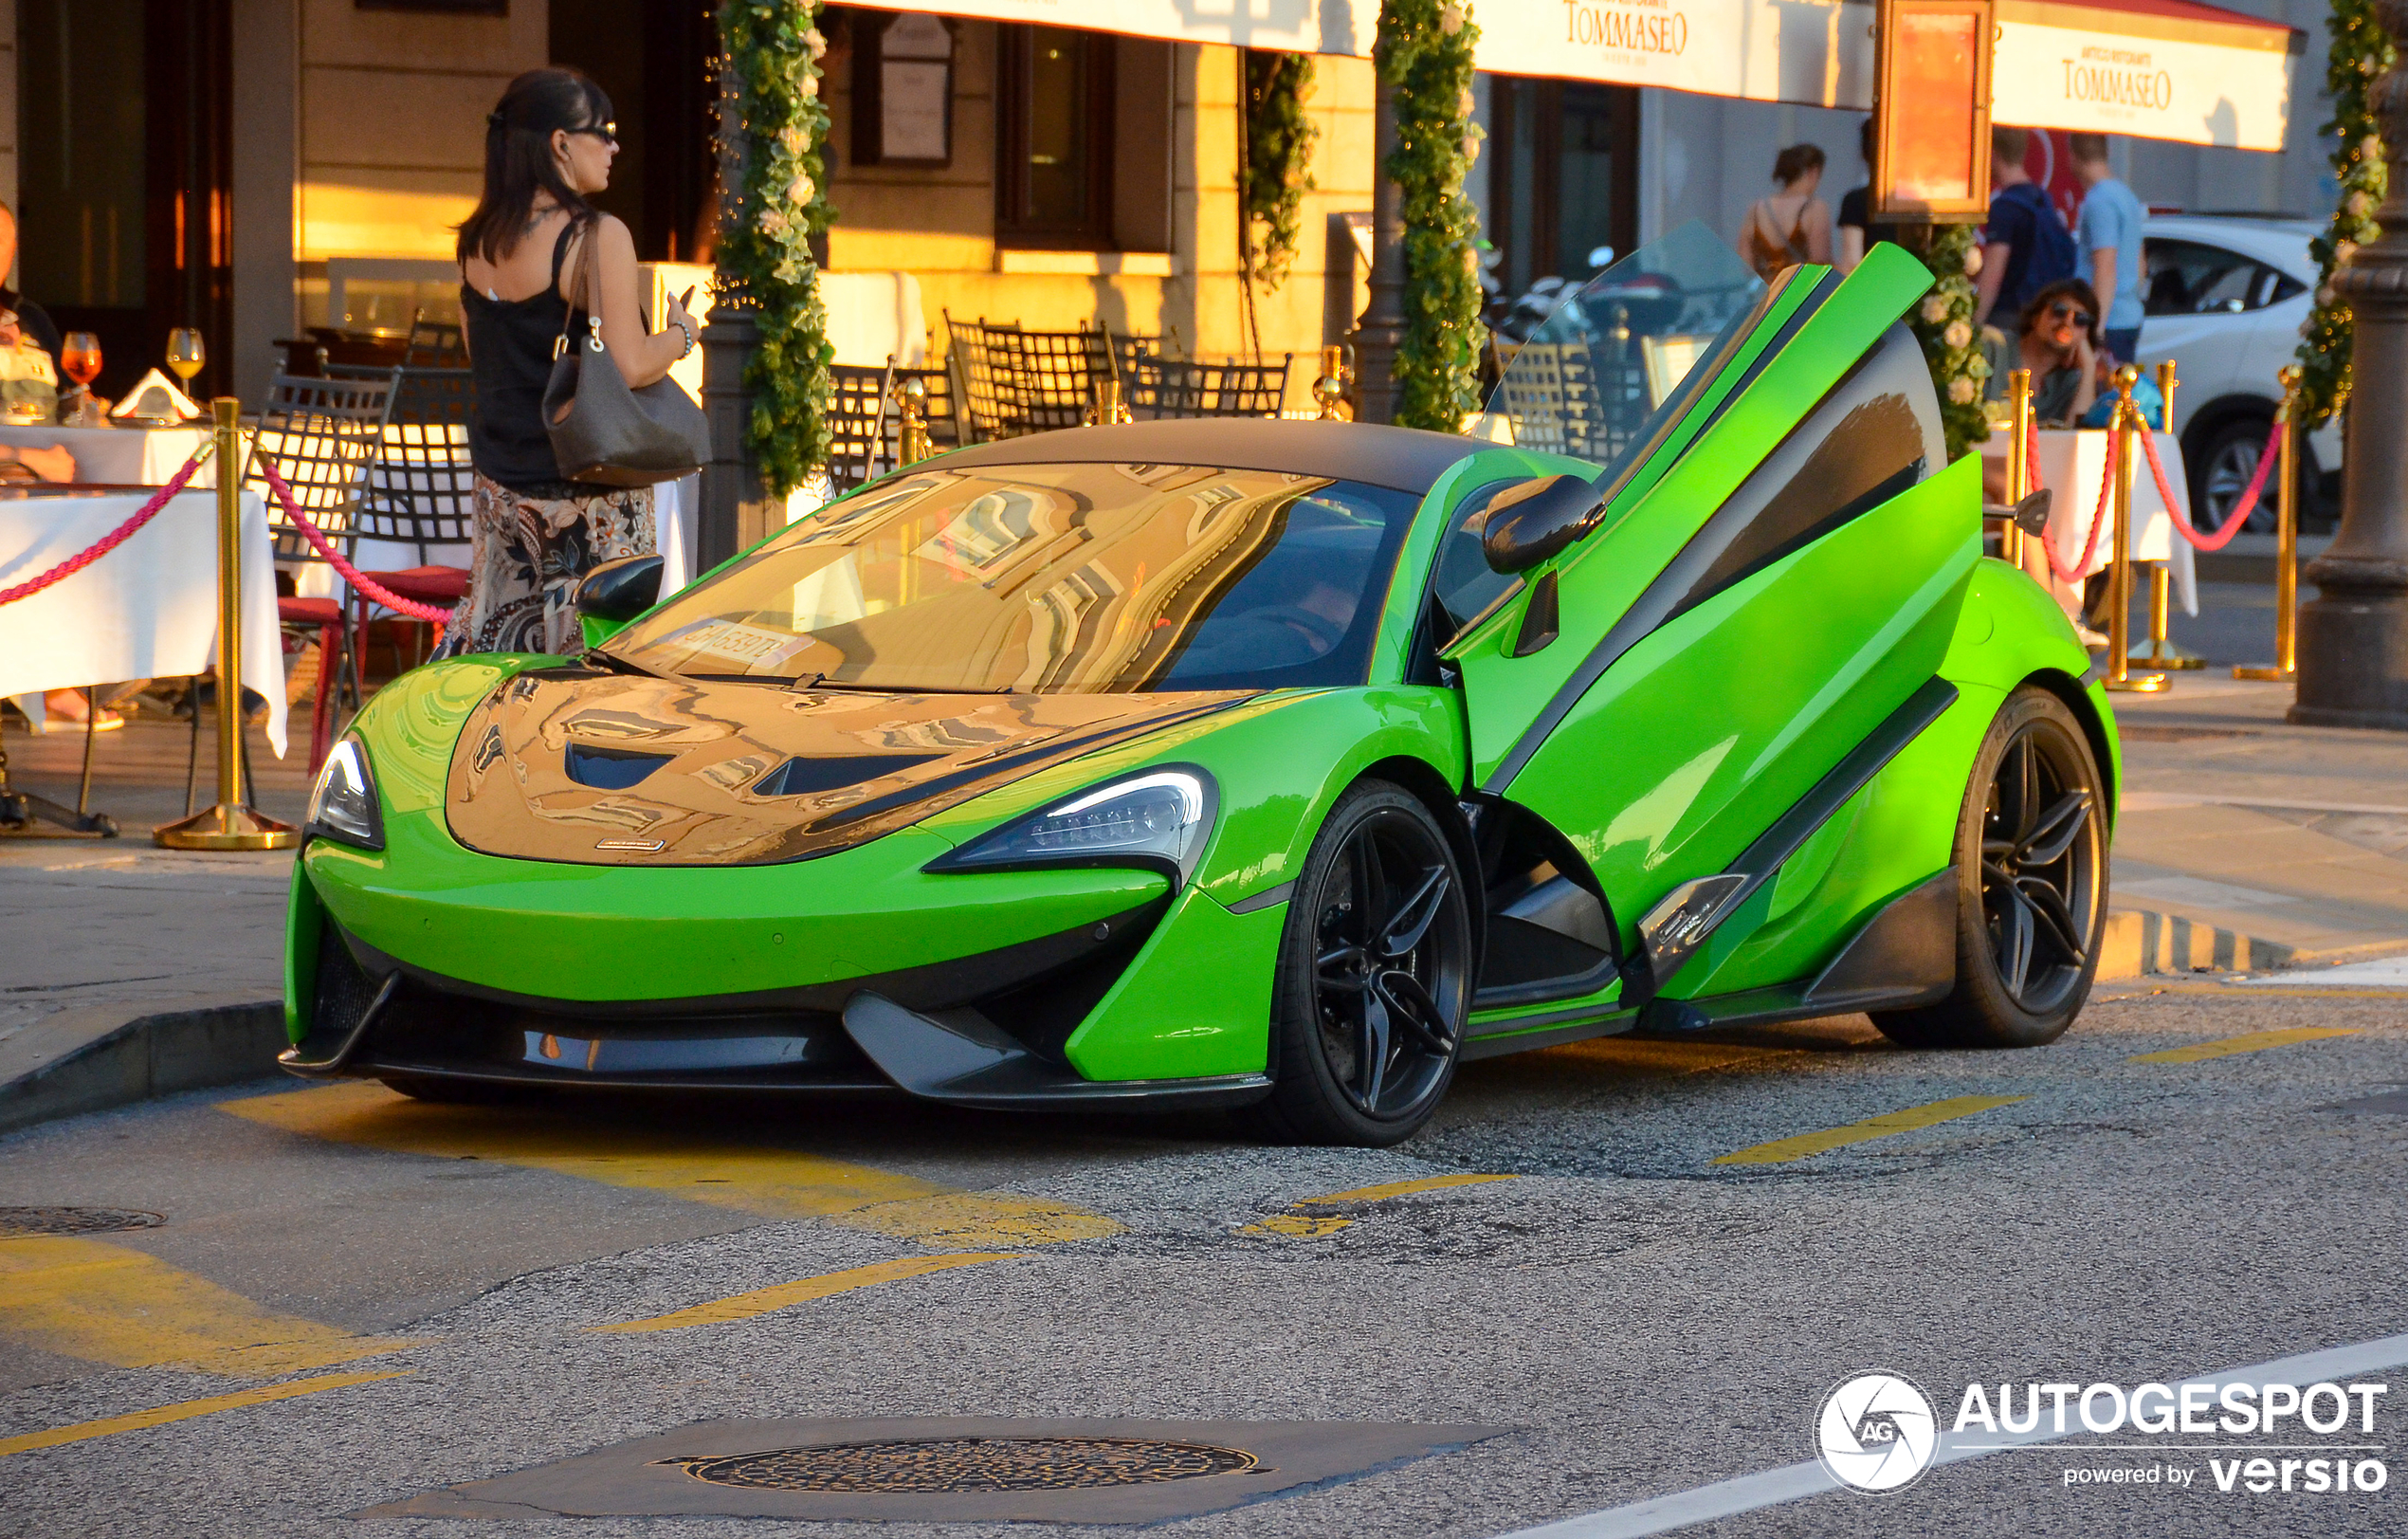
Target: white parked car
{"type": "Point", "coordinates": [2226, 296]}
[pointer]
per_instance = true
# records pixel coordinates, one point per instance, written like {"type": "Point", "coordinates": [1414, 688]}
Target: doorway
{"type": "Point", "coordinates": [124, 134]}
{"type": "Point", "coordinates": [1562, 177]}
{"type": "Point", "coordinates": [653, 58]}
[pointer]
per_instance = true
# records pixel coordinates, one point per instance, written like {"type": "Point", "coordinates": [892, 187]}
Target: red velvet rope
{"type": "Point", "coordinates": [2241, 511]}
{"type": "Point", "coordinates": [376, 592]}
{"type": "Point", "coordinates": [2098, 516]}
{"type": "Point", "coordinates": [111, 540]}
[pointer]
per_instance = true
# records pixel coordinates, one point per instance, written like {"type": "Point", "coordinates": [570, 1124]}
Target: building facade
{"type": "Point", "coordinates": [263, 167]}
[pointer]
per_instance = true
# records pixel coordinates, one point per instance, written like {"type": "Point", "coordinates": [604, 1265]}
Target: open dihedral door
{"type": "Point", "coordinates": [1754, 624]}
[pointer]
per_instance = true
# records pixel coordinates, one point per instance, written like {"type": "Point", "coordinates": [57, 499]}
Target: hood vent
{"type": "Point", "coordinates": [811, 776]}
{"type": "Point", "coordinates": [611, 769]}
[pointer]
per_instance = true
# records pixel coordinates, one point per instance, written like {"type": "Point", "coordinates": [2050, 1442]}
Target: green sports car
{"type": "Point", "coordinates": [1277, 766]}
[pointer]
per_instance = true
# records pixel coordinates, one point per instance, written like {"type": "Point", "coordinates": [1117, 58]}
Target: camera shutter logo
{"type": "Point", "coordinates": [1877, 1431]}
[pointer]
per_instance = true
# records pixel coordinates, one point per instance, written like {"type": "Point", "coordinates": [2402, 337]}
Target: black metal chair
{"type": "Point", "coordinates": [859, 445]}
{"type": "Point", "coordinates": [1015, 382]}
{"type": "Point", "coordinates": [421, 490]}
{"type": "Point", "coordinates": [322, 435]}
{"type": "Point", "coordinates": [1158, 387]}
{"type": "Point", "coordinates": [434, 344]}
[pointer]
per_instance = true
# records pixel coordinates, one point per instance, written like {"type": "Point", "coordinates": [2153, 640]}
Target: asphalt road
{"type": "Point", "coordinates": [1632, 1313]}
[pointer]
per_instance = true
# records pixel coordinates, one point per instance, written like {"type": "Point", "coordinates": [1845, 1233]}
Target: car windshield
{"type": "Point", "coordinates": [1607, 366]}
{"type": "Point", "coordinates": [1052, 578]}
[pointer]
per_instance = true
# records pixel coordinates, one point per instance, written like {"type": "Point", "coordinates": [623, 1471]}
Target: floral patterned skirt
{"type": "Point", "coordinates": [528, 553]}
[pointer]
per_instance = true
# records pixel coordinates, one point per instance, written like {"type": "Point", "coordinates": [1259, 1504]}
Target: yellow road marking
{"type": "Point", "coordinates": [110, 1304]}
{"type": "Point", "coordinates": [2254, 1042]}
{"type": "Point", "coordinates": [763, 1300]}
{"type": "Point", "coordinates": [1298, 1225]}
{"type": "Point", "coordinates": [1399, 1188]}
{"type": "Point", "coordinates": [1782, 1151]}
{"type": "Point", "coordinates": [185, 1410]}
{"type": "Point", "coordinates": [1294, 1226]}
{"type": "Point", "coordinates": [776, 1184]}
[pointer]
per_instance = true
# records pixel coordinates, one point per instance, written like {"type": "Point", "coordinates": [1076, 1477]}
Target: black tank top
{"type": "Point", "coordinates": [510, 349]}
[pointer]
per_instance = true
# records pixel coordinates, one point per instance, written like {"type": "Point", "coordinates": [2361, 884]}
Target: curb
{"type": "Point", "coordinates": [108, 1056]}
{"type": "Point", "coordinates": [2140, 942]}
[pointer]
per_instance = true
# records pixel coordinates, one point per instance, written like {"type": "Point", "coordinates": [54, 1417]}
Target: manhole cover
{"type": "Point", "coordinates": [74, 1221]}
{"type": "Point", "coordinates": [967, 1464]}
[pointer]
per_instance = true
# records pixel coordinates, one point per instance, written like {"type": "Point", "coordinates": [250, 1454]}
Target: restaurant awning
{"type": "Point", "coordinates": [2166, 69]}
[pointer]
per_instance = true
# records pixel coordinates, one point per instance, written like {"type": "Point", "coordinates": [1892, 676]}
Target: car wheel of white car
{"type": "Point", "coordinates": [2222, 470]}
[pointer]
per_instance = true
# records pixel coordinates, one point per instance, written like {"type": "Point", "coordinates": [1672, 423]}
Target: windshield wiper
{"type": "Point", "coordinates": [616, 664]}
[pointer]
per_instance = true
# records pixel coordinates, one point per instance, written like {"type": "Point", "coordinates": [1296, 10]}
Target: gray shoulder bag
{"type": "Point", "coordinates": [604, 432]}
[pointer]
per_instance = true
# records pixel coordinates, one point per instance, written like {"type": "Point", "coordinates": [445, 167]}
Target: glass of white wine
{"type": "Point", "coordinates": [186, 353]}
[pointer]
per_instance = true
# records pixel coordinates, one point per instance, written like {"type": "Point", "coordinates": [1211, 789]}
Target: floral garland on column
{"type": "Point", "coordinates": [1276, 173]}
{"type": "Point", "coordinates": [1424, 54]}
{"type": "Point", "coordinates": [773, 46]}
{"type": "Point", "coordinates": [2360, 51]}
{"type": "Point", "coordinates": [1943, 323]}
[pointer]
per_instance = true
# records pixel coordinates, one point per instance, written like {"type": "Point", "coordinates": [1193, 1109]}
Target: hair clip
{"type": "Point", "coordinates": [496, 119]}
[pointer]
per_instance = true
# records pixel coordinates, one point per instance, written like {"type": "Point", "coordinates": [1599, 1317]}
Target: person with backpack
{"type": "Point", "coordinates": [2026, 245]}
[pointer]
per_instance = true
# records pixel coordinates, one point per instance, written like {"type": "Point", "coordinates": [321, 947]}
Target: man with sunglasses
{"type": "Point", "coordinates": [2057, 339]}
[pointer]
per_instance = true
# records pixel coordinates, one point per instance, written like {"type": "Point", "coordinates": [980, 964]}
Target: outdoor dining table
{"type": "Point", "coordinates": [146, 610]}
{"type": "Point", "coordinates": [119, 456]}
{"type": "Point", "coordinates": [2072, 463]}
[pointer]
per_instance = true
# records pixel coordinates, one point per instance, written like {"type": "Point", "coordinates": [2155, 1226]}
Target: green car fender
{"type": "Point", "coordinates": [1900, 830]}
{"type": "Point", "coordinates": [1197, 998]}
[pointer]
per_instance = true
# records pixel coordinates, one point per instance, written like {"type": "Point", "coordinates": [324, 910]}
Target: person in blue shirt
{"type": "Point", "coordinates": [2026, 246]}
{"type": "Point", "coordinates": [2106, 241]}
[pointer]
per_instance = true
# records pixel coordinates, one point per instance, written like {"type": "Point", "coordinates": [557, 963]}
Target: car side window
{"type": "Point", "coordinates": [1462, 581]}
{"type": "Point", "coordinates": [2192, 278]}
{"type": "Point", "coordinates": [1876, 434]}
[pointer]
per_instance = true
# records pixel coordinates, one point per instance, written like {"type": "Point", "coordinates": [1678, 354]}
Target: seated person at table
{"type": "Point", "coordinates": [28, 380]}
{"type": "Point", "coordinates": [2058, 339]}
{"type": "Point", "coordinates": [34, 320]}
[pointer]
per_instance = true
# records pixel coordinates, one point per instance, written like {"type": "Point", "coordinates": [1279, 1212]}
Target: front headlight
{"type": "Point", "coordinates": [342, 805]}
{"type": "Point", "coordinates": [1159, 818]}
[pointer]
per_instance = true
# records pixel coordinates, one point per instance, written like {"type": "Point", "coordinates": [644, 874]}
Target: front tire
{"type": "Point", "coordinates": [2031, 863]}
{"type": "Point", "coordinates": [1375, 977]}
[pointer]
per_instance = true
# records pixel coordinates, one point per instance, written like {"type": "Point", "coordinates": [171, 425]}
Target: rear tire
{"type": "Point", "coordinates": [1374, 978]}
{"type": "Point", "coordinates": [2030, 865]}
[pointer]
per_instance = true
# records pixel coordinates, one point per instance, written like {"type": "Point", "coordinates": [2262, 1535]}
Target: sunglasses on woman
{"type": "Point", "coordinates": [607, 133]}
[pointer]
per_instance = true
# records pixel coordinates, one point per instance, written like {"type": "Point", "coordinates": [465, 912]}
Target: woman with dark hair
{"type": "Point", "coordinates": [532, 257]}
{"type": "Point", "coordinates": [1792, 226]}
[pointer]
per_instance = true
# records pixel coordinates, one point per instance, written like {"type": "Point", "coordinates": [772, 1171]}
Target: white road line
{"type": "Point", "coordinates": [1726, 1498]}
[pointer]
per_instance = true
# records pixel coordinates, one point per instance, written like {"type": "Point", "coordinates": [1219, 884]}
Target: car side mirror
{"type": "Point", "coordinates": [1527, 523]}
{"type": "Point", "coordinates": [617, 591]}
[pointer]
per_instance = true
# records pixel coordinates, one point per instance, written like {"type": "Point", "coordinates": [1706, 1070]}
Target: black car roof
{"type": "Point", "coordinates": [1404, 459]}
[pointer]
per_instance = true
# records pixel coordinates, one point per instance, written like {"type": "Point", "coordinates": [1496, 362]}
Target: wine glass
{"type": "Point", "coordinates": [186, 353]}
{"type": "Point", "coordinates": [80, 357]}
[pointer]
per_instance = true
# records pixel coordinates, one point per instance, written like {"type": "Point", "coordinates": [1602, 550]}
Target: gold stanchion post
{"type": "Point", "coordinates": [2124, 424]}
{"type": "Point", "coordinates": [2286, 665]}
{"type": "Point", "coordinates": [231, 824]}
{"type": "Point", "coordinates": [1330, 390]}
{"type": "Point", "coordinates": [2162, 652]}
{"type": "Point", "coordinates": [912, 443]}
{"type": "Point", "coordinates": [2018, 459]}
{"type": "Point", "coordinates": [1109, 406]}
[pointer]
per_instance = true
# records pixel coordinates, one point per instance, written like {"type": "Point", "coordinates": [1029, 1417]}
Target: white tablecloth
{"type": "Point", "coordinates": [120, 456]}
{"type": "Point", "coordinates": [2072, 463]}
{"type": "Point", "coordinates": [147, 609]}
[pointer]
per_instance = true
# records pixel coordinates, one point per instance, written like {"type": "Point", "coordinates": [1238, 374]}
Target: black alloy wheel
{"type": "Point", "coordinates": [1375, 977]}
{"type": "Point", "coordinates": [2032, 885]}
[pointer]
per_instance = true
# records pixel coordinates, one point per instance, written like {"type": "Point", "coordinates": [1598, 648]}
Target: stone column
{"type": "Point", "coordinates": [735, 510]}
{"type": "Point", "coordinates": [2353, 636]}
{"type": "Point", "coordinates": [1381, 329]}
